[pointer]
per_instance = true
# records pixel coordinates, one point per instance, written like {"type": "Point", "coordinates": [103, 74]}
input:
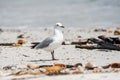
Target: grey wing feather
{"type": "Point", "coordinates": [44, 43]}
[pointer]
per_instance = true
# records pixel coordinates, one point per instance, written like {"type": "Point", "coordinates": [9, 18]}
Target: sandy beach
{"type": "Point", "coordinates": [67, 54]}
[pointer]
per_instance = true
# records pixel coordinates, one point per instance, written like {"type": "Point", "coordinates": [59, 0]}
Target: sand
{"type": "Point", "coordinates": [67, 54]}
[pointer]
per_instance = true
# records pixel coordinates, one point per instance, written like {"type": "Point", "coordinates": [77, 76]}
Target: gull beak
{"type": "Point", "coordinates": [62, 26]}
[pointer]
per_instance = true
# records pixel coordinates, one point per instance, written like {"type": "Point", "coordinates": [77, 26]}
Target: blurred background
{"type": "Point", "coordinates": [72, 13]}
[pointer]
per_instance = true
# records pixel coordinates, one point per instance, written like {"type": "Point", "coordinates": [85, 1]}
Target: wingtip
{"type": "Point", "coordinates": [34, 46]}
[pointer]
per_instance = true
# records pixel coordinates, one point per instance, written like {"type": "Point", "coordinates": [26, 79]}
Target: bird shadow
{"type": "Point", "coordinates": [42, 60]}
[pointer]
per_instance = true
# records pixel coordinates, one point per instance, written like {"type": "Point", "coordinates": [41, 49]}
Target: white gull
{"type": "Point", "coordinates": [52, 42]}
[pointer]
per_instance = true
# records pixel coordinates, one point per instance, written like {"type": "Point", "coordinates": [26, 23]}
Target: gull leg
{"type": "Point", "coordinates": [52, 53]}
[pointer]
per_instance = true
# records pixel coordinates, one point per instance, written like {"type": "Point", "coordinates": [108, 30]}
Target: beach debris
{"type": "Point", "coordinates": [80, 42]}
{"type": "Point", "coordinates": [106, 66]}
{"type": "Point", "coordinates": [112, 40]}
{"type": "Point", "coordinates": [61, 65]}
{"type": "Point", "coordinates": [19, 43]}
{"type": "Point", "coordinates": [100, 30]}
{"type": "Point", "coordinates": [66, 43]}
{"type": "Point", "coordinates": [33, 66]}
{"type": "Point", "coordinates": [78, 64]}
{"type": "Point", "coordinates": [48, 69]}
{"type": "Point", "coordinates": [40, 66]}
{"type": "Point", "coordinates": [34, 72]}
{"type": "Point", "coordinates": [117, 32]}
{"type": "Point", "coordinates": [7, 44]}
{"type": "Point", "coordinates": [85, 47]}
{"type": "Point", "coordinates": [54, 69]}
{"type": "Point", "coordinates": [74, 69]}
{"type": "Point", "coordinates": [26, 71]}
{"type": "Point", "coordinates": [62, 69]}
{"type": "Point", "coordinates": [115, 65]}
{"type": "Point", "coordinates": [101, 45]}
{"type": "Point", "coordinates": [1, 30]}
{"type": "Point", "coordinates": [93, 40]}
{"type": "Point", "coordinates": [65, 71]}
{"type": "Point", "coordinates": [97, 69]}
{"type": "Point", "coordinates": [9, 67]}
{"type": "Point", "coordinates": [25, 55]}
{"type": "Point", "coordinates": [69, 66]}
{"type": "Point", "coordinates": [79, 36]}
{"type": "Point", "coordinates": [19, 72]}
{"type": "Point", "coordinates": [81, 69]}
{"type": "Point", "coordinates": [110, 43]}
{"type": "Point", "coordinates": [23, 36]}
{"type": "Point", "coordinates": [90, 65]}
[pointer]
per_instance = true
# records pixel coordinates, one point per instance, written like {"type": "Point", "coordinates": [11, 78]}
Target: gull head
{"type": "Point", "coordinates": [59, 25]}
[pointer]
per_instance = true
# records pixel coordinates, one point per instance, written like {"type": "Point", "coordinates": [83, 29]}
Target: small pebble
{"type": "Point", "coordinates": [90, 65]}
{"type": "Point", "coordinates": [33, 66]}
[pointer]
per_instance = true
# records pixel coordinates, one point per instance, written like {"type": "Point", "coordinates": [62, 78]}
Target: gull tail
{"type": "Point", "coordinates": [34, 45]}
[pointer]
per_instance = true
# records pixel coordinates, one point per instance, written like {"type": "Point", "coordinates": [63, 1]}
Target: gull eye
{"type": "Point", "coordinates": [57, 25]}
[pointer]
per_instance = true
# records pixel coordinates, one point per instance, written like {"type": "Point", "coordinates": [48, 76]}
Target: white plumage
{"type": "Point", "coordinates": [53, 42]}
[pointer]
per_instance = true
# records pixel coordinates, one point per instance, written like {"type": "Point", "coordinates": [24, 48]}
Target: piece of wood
{"type": "Point", "coordinates": [99, 46]}
{"type": "Point", "coordinates": [6, 44]}
{"type": "Point", "coordinates": [86, 47]}
{"type": "Point", "coordinates": [106, 66]}
{"type": "Point", "coordinates": [79, 43]}
{"type": "Point", "coordinates": [115, 65]}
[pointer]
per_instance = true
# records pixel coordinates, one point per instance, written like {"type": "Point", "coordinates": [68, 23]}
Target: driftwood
{"type": "Point", "coordinates": [7, 44]}
{"type": "Point", "coordinates": [110, 47]}
{"type": "Point", "coordinates": [79, 43]}
{"type": "Point", "coordinates": [105, 43]}
{"type": "Point", "coordinates": [42, 66]}
{"type": "Point", "coordinates": [112, 40]}
{"type": "Point", "coordinates": [19, 42]}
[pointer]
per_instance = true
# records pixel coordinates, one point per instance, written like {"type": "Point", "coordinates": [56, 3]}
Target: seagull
{"type": "Point", "coordinates": [53, 42]}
